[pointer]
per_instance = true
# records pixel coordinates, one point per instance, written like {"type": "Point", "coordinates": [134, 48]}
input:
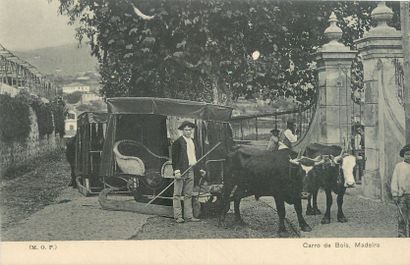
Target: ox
{"type": "Point", "coordinates": [250, 171]}
{"type": "Point", "coordinates": [70, 155]}
{"type": "Point", "coordinates": [334, 173]}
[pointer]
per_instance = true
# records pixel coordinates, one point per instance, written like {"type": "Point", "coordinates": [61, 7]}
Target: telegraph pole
{"type": "Point", "coordinates": [405, 29]}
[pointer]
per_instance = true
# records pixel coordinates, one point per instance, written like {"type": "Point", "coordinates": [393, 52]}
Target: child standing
{"type": "Point", "coordinates": [400, 189]}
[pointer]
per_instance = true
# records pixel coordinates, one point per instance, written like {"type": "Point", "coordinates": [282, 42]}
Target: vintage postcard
{"type": "Point", "coordinates": [204, 132]}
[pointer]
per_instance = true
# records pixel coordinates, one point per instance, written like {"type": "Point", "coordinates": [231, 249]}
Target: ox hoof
{"type": "Point", "coordinates": [342, 219]}
{"type": "Point", "coordinates": [325, 220]}
{"type": "Point", "coordinates": [283, 233]}
{"type": "Point", "coordinates": [310, 211]}
{"type": "Point", "coordinates": [305, 228]}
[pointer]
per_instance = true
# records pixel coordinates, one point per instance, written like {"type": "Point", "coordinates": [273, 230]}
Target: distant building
{"type": "Point", "coordinates": [70, 124]}
{"type": "Point", "coordinates": [91, 79]}
{"type": "Point", "coordinates": [74, 87]}
{"type": "Point", "coordinates": [87, 97]}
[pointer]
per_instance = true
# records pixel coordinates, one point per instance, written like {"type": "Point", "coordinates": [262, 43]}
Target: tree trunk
{"type": "Point", "coordinates": [216, 91]}
{"type": "Point", "coordinates": [405, 29]}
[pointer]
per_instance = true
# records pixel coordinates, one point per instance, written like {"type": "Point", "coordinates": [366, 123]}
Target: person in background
{"type": "Point", "coordinates": [288, 136]}
{"type": "Point", "coordinates": [273, 144]}
{"type": "Point", "coordinates": [358, 139]}
{"type": "Point", "coordinates": [400, 190]}
{"type": "Point", "coordinates": [70, 155]}
{"type": "Point", "coordinates": [185, 153]}
{"type": "Point", "coordinates": [358, 150]}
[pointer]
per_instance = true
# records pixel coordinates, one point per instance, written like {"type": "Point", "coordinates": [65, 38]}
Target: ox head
{"type": "Point", "coordinates": [307, 170]}
{"type": "Point", "coordinates": [347, 164]}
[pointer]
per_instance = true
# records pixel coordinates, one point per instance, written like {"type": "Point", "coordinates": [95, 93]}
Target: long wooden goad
{"type": "Point", "coordinates": [186, 171]}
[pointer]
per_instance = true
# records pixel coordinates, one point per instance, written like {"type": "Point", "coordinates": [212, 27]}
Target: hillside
{"type": "Point", "coordinates": [69, 58]}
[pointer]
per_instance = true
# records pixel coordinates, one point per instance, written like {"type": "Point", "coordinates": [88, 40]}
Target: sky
{"type": "Point", "coordinates": [32, 24]}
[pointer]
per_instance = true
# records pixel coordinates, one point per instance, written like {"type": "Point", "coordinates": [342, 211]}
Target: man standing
{"type": "Point", "coordinates": [185, 153]}
{"type": "Point", "coordinates": [288, 136]}
{"type": "Point", "coordinates": [400, 190]}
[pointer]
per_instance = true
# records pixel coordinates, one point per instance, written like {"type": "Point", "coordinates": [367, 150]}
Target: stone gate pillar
{"type": "Point", "coordinates": [381, 49]}
{"type": "Point", "coordinates": [334, 62]}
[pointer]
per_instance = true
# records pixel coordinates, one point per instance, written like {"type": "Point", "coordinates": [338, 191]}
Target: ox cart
{"type": "Point", "coordinates": [88, 148]}
{"type": "Point", "coordinates": [136, 156]}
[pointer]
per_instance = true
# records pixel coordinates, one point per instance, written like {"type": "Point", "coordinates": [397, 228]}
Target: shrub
{"type": "Point", "coordinates": [14, 119]}
{"type": "Point", "coordinates": [59, 112]}
{"type": "Point", "coordinates": [73, 98]}
{"type": "Point", "coordinates": [43, 112]}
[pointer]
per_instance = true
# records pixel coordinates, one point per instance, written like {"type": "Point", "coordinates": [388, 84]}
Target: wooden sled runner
{"type": "Point", "coordinates": [132, 205]}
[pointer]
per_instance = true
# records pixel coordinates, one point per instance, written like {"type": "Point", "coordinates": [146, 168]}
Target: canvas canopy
{"type": "Point", "coordinates": [153, 122]}
{"type": "Point", "coordinates": [169, 107]}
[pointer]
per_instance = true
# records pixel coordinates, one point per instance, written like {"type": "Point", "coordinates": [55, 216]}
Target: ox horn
{"type": "Point", "coordinates": [318, 160]}
{"type": "Point", "coordinates": [294, 161]}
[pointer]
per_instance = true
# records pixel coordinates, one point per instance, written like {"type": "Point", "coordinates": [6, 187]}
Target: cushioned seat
{"type": "Point", "coordinates": [128, 164]}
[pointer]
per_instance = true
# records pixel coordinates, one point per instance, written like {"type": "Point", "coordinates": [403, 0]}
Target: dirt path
{"type": "Point", "coordinates": [261, 219]}
{"type": "Point", "coordinates": [38, 205]}
{"type": "Point", "coordinates": [367, 218]}
{"type": "Point", "coordinates": [24, 195]}
{"type": "Point", "coordinates": [75, 217]}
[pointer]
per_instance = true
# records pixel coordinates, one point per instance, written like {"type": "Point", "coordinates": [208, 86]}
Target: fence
{"type": "Point", "coordinates": [257, 127]}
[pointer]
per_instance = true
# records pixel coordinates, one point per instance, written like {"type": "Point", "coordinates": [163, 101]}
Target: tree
{"type": "Point", "coordinates": [201, 49]}
{"type": "Point", "coordinates": [73, 98]}
{"type": "Point", "coordinates": [60, 112]}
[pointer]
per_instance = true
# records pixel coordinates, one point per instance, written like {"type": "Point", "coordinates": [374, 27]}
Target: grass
{"type": "Point", "coordinates": [29, 165]}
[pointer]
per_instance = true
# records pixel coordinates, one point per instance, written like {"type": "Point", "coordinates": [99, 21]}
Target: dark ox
{"type": "Point", "coordinates": [329, 168]}
{"type": "Point", "coordinates": [70, 155]}
{"type": "Point", "coordinates": [250, 171]}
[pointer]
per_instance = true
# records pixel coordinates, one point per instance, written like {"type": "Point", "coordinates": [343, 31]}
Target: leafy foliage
{"type": "Point", "coordinates": [42, 110]}
{"type": "Point", "coordinates": [15, 124]}
{"type": "Point", "coordinates": [357, 83]}
{"type": "Point", "coordinates": [60, 111]}
{"type": "Point", "coordinates": [201, 49]}
{"type": "Point", "coordinates": [73, 98]}
{"type": "Point", "coordinates": [14, 119]}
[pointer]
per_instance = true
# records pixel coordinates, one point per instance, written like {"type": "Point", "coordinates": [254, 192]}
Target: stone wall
{"type": "Point", "coordinates": [15, 154]}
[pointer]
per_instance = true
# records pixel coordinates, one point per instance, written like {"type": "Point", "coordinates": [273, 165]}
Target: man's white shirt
{"type": "Point", "coordinates": [190, 150]}
{"type": "Point", "coordinates": [291, 137]}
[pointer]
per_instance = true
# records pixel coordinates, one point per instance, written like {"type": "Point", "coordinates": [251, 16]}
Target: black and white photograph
{"type": "Point", "coordinates": [201, 127]}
